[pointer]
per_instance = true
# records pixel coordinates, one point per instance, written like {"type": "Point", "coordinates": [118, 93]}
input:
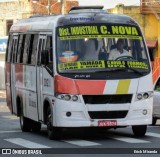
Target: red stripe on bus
{"type": "Point", "coordinates": [8, 72]}
{"type": "Point", "coordinates": [90, 87]}
{"type": "Point", "coordinates": [71, 86]}
{"type": "Point", "coordinates": [19, 73]}
{"type": "Point", "coordinates": [64, 85]}
{"type": "Point", "coordinates": [8, 87]}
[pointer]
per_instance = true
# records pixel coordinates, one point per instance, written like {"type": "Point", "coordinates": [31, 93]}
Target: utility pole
{"type": "Point", "coordinates": [49, 7]}
{"type": "Point", "coordinates": [63, 6]}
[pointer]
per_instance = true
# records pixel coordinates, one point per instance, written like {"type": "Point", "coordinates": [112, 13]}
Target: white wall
{"type": "Point", "coordinates": [2, 75]}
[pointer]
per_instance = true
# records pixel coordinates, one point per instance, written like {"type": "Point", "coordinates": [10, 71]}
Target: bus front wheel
{"type": "Point", "coordinates": [53, 132]}
{"type": "Point", "coordinates": [139, 130]}
{"type": "Point", "coordinates": [154, 120]}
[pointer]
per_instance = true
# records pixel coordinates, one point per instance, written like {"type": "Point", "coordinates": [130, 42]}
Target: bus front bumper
{"type": "Point", "coordinates": [72, 114]}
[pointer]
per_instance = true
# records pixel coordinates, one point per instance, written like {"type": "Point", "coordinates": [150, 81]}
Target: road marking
{"type": "Point", "coordinates": [10, 117]}
{"type": "Point", "coordinates": [2, 132]}
{"type": "Point", "coordinates": [127, 139]}
{"type": "Point", "coordinates": [154, 126]}
{"type": "Point", "coordinates": [81, 142]}
{"type": "Point", "coordinates": [25, 143]}
{"type": "Point", "coordinates": [153, 134]}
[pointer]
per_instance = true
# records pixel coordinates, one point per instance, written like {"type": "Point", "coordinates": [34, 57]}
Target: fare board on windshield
{"type": "Point", "coordinates": [98, 31]}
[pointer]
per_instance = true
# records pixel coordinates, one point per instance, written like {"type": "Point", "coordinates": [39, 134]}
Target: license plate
{"type": "Point", "coordinates": [107, 123]}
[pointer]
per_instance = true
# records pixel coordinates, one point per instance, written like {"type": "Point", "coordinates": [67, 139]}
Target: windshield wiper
{"type": "Point", "coordinates": [127, 68]}
{"type": "Point", "coordinates": [120, 69]}
{"type": "Point", "coordinates": [135, 70]}
{"type": "Point", "coordinates": [107, 70]}
{"type": "Point", "coordinates": [104, 70]}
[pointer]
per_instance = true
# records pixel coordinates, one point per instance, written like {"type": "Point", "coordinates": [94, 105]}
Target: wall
{"type": "Point", "coordinates": [159, 37]}
{"type": "Point", "coordinates": [56, 6]}
{"type": "Point", "coordinates": [13, 10]}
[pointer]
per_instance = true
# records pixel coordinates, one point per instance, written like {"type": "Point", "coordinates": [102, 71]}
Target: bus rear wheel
{"type": "Point", "coordinates": [53, 132]}
{"type": "Point", "coordinates": [139, 130]}
{"type": "Point", "coordinates": [25, 123]}
{"type": "Point", "coordinates": [36, 126]}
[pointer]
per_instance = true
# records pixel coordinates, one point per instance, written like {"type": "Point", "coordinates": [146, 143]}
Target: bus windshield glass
{"type": "Point", "coordinates": [100, 47]}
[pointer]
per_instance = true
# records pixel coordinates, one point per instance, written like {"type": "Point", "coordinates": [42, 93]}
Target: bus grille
{"type": "Point", "coordinates": [107, 99]}
{"type": "Point", "coordinates": [107, 114]}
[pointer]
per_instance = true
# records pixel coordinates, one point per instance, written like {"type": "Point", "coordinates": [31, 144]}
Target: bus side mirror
{"type": "Point", "coordinates": [45, 57]}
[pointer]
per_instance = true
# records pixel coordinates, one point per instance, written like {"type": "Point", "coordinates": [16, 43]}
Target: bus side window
{"type": "Point", "coordinates": [26, 48]}
{"type": "Point", "coordinates": [34, 49]}
{"type": "Point", "coordinates": [39, 50]}
{"type": "Point", "coordinates": [13, 49]}
{"type": "Point", "coordinates": [15, 46]}
{"type": "Point", "coordinates": [9, 49]}
{"type": "Point", "coordinates": [20, 48]}
{"type": "Point", "coordinates": [49, 48]}
{"type": "Point", "coordinates": [30, 49]}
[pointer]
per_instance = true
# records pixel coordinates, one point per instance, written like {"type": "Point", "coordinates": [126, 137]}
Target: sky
{"type": "Point", "coordinates": [106, 3]}
{"type": "Point", "coordinates": [109, 3]}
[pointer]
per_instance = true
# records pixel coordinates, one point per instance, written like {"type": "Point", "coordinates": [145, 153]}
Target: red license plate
{"type": "Point", "coordinates": [107, 123]}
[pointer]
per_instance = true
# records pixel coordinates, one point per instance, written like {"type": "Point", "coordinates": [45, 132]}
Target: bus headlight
{"type": "Point", "coordinates": [145, 95]}
{"type": "Point", "coordinates": [74, 97]}
{"type": "Point", "coordinates": [139, 96]}
{"type": "Point", "coordinates": [68, 97]}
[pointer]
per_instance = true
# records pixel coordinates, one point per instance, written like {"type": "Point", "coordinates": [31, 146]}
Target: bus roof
{"type": "Point", "coordinates": [46, 23]}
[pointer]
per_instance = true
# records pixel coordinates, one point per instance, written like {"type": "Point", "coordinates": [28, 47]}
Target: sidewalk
{"type": "Point", "coordinates": [2, 94]}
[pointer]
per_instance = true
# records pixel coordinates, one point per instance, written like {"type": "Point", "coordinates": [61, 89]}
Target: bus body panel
{"type": "Point", "coordinates": [145, 83]}
{"type": "Point", "coordinates": [48, 83]}
{"type": "Point", "coordinates": [47, 88]}
{"type": "Point", "coordinates": [13, 88]}
{"type": "Point", "coordinates": [29, 91]}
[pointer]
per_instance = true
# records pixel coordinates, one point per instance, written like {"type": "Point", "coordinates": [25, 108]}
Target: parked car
{"type": "Point", "coordinates": [156, 103]}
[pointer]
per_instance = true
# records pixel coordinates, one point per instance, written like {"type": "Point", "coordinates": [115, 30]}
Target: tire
{"type": "Point", "coordinates": [154, 120]}
{"type": "Point", "coordinates": [25, 123]}
{"type": "Point", "coordinates": [36, 126]}
{"type": "Point", "coordinates": [139, 130]}
{"type": "Point", "coordinates": [54, 133]}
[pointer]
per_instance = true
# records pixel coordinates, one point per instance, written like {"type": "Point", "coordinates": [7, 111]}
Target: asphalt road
{"type": "Point", "coordinates": [76, 142]}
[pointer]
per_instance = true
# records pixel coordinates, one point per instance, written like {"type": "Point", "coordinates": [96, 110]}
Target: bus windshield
{"type": "Point", "coordinates": [101, 47]}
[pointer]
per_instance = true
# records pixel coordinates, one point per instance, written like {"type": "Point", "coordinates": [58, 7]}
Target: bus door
{"type": "Point", "coordinates": [41, 47]}
{"type": "Point", "coordinates": [13, 81]}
